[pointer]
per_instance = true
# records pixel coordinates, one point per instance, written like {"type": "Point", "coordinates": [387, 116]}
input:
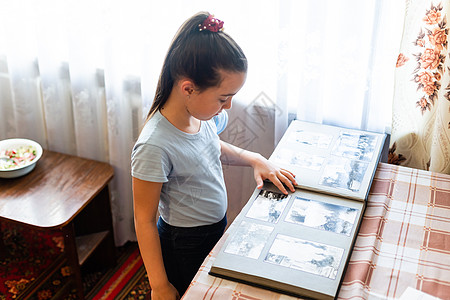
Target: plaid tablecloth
{"type": "Point", "coordinates": [404, 240]}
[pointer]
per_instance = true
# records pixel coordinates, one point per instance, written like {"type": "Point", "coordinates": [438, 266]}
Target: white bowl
{"type": "Point", "coordinates": [28, 167]}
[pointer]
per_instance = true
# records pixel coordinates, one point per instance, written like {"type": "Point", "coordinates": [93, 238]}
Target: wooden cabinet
{"type": "Point", "coordinates": [65, 195]}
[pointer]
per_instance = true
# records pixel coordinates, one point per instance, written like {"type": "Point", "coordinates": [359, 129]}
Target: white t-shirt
{"type": "Point", "coordinates": [193, 191]}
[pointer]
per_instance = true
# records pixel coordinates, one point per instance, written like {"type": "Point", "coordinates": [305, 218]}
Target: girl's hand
{"type": "Point", "coordinates": [264, 169]}
{"type": "Point", "coordinates": [166, 292]}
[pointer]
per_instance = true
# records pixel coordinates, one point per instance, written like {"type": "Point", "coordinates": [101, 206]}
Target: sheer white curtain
{"type": "Point", "coordinates": [341, 59]}
{"type": "Point", "coordinates": [79, 76]}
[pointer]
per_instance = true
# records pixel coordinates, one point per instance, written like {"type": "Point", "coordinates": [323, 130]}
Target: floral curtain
{"type": "Point", "coordinates": [421, 108]}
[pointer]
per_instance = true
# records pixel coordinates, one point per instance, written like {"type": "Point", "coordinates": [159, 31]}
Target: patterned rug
{"type": "Point", "coordinates": [128, 280]}
{"type": "Point", "coordinates": [26, 255]}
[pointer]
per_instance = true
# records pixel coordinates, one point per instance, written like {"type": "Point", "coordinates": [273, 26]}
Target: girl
{"type": "Point", "coordinates": [176, 165]}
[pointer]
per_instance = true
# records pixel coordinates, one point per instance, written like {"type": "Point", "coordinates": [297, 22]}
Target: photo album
{"type": "Point", "coordinates": [299, 244]}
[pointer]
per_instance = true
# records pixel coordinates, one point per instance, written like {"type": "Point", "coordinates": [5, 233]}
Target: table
{"type": "Point", "coordinates": [65, 194]}
{"type": "Point", "coordinates": [404, 241]}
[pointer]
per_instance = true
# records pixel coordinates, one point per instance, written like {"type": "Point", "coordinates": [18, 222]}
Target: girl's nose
{"type": "Point", "coordinates": [227, 104]}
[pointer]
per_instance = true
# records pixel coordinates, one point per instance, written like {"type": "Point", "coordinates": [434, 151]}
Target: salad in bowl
{"type": "Point", "coordinates": [18, 157]}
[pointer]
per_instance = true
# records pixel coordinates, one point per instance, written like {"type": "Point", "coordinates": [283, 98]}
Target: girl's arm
{"type": "Point", "coordinates": [146, 198]}
{"type": "Point", "coordinates": [263, 169]}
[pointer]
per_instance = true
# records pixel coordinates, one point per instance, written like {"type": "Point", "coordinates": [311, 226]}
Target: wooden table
{"type": "Point", "coordinates": [69, 194]}
{"type": "Point", "coordinates": [404, 241]}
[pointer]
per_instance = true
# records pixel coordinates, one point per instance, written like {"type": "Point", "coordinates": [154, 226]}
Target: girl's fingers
{"type": "Point", "coordinates": [281, 178]}
{"type": "Point", "coordinates": [289, 176]}
{"type": "Point", "coordinates": [288, 181]}
{"type": "Point", "coordinates": [259, 182]}
{"type": "Point", "coordinates": [276, 181]}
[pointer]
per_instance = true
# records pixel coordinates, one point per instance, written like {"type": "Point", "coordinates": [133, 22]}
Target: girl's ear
{"type": "Point", "coordinates": [187, 87]}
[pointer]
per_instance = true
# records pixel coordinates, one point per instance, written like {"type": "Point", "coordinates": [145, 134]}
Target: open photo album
{"type": "Point", "coordinates": [299, 244]}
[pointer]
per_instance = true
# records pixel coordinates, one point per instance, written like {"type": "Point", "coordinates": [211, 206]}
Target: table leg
{"type": "Point", "coordinates": [72, 257]}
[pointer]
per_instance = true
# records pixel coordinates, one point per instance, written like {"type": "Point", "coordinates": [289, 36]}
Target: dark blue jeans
{"type": "Point", "coordinates": [185, 248]}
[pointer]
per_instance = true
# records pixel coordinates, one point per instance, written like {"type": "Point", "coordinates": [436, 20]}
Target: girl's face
{"type": "Point", "coordinates": [210, 102]}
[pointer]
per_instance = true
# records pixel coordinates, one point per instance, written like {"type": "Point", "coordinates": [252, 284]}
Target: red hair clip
{"type": "Point", "coordinates": [212, 24]}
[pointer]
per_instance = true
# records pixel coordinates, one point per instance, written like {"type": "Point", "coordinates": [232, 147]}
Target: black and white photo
{"type": "Point", "coordinates": [315, 139]}
{"type": "Point", "coordinates": [249, 240]}
{"type": "Point", "coordinates": [343, 173]}
{"type": "Point", "coordinates": [299, 159]}
{"type": "Point", "coordinates": [268, 206]}
{"type": "Point", "coordinates": [307, 256]}
{"type": "Point", "coordinates": [321, 215]}
{"type": "Point", "coordinates": [355, 146]}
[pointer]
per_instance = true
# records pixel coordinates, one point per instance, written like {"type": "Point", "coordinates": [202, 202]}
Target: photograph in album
{"type": "Point", "coordinates": [355, 146]}
{"type": "Point", "coordinates": [249, 240]}
{"type": "Point", "coordinates": [343, 173]}
{"type": "Point", "coordinates": [307, 256]}
{"type": "Point", "coordinates": [315, 139]}
{"type": "Point", "coordinates": [268, 206]}
{"type": "Point", "coordinates": [300, 159]}
{"type": "Point", "coordinates": [321, 215]}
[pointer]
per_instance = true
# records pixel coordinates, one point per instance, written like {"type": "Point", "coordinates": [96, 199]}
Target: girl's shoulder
{"type": "Point", "coordinates": [153, 130]}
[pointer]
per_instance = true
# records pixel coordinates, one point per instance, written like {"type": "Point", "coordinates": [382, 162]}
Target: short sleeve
{"type": "Point", "coordinates": [221, 121]}
{"type": "Point", "coordinates": [150, 163]}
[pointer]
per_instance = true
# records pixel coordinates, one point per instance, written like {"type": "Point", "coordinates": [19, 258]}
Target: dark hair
{"type": "Point", "coordinates": [199, 56]}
